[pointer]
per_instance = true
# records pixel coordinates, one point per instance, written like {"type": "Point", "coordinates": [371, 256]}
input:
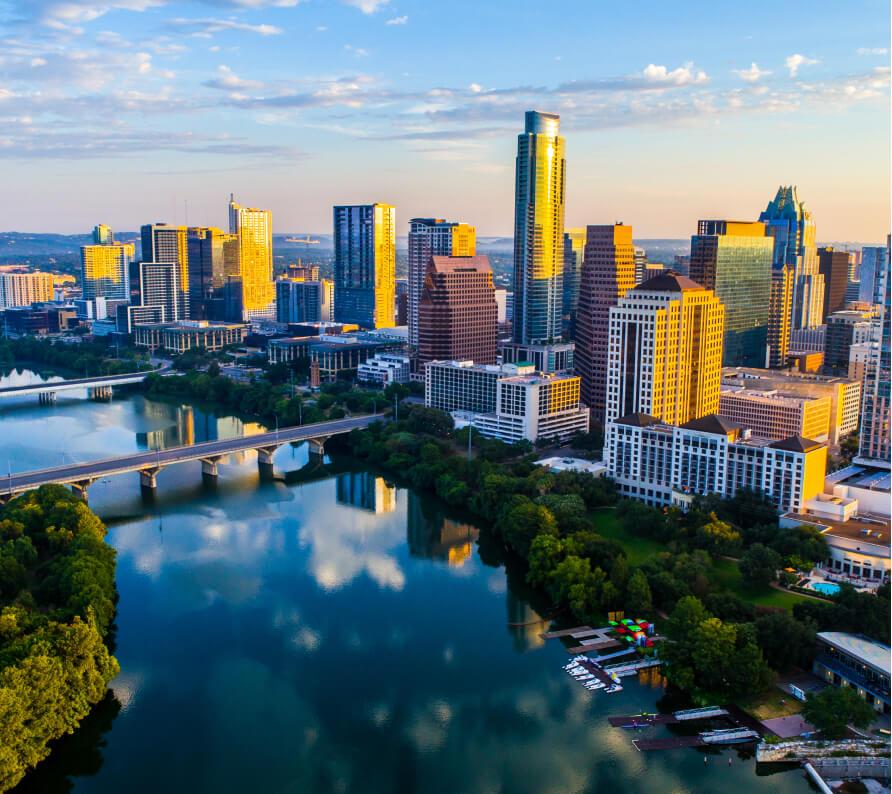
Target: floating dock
{"type": "Point", "coordinates": [632, 667]}
{"type": "Point", "coordinates": [726, 736]}
{"type": "Point", "coordinates": [553, 635]}
{"type": "Point", "coordinates": [684, 715]}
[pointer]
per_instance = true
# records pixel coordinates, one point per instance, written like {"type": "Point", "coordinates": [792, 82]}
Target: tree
{"type": "Point", "coordinates": [834, 708]}
{"type": "Point", "coordinates": [522, 521]}
{"type": "Point", "coordinates": [759, 565]}
{"type": "Point", "coordinates": [718, 537]}
{"type": "Point", "coordinates": [638, 597]}
{"type": "Point", "coordinates": [785, 641]}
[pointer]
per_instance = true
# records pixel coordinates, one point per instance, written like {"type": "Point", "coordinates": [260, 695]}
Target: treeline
{"type": "Point", "coordinates": [82, 359]}
{"type": "Point", "coordinates": [722, 645]}
{"type": "Point", "coordinates": [57, 603]}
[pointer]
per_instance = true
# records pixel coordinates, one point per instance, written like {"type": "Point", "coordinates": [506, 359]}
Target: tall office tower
{"type": "Point", "coordinates": [844, 329]}
{"type": "Point", "coordinates": [539, 230]}
{"type": "Point", "coordinates": [665, 351]}
{"type": "Point", "coordinates": [105, 270]}
{"type": "Point", "coordinates": [365, 264]}
{"type": "Point", "coordinates": [302, 301]}
{"type": "Point", "coordinates": [207, 249]}
{"type": "Point", "coordinates": [102, 234]}
{"type": "Point", "coordinates": [457, 313]}
{"type": "Point", "coordinates": [574, 253]}
{"type": "Point", "coordinates": [779, 313]}
{"type": "Point", "coordinates": [164, 243]}
{"type": "Point", "coordinates": [834, 266]}
{"type": "Point", "coordinates": [874, 262]}
{"type": "Point", "coordinates": [255, 245]}
{"type": "Point", "coordinates": [875, 445]}
{"type": "Point", "coordinates": [433, 237]}
{"type": "Point", "coordinates": [608, 273]}
{"type": "Point", "coordinates": [23, 289]}
{"type": "Point", "coordinates": [791, 225]}
{"type": "Point", "coordinates": [733, 259]}
{"type": "Point", "coordinates": [159, 285]}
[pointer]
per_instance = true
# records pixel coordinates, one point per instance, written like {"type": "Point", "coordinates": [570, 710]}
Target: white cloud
{"type": "Point", "coordinates": [204, 26]}
{"type": "Point", "coordinates": [794, 62]}
{"type": "Point", "coordinates": [683, 75]}
{"type": "Point", "coordinates": [403, 20]}
{"type": "Point", "coordinates": [359, 52]}
{"type": "Point", "coordinates": [475, 88]}
{"type": "Point", "coordinates": [872, 51]}
{"type": "Point", "coordinates": [143, 62]}
{"type": "Point", "coordinates": [227, 80]}
{"type": "Point", "coordinates": [367, 6]}
{"type": "Point", "coordinates": [753, 74]}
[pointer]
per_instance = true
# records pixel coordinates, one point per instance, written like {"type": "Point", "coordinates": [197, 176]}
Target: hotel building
{"type": "Point", "coordinates": [23, 289]}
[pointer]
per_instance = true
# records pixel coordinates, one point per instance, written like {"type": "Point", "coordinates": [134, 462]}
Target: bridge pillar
{"type": "Point", "coordinates": [99, 393]}
{"type": "Point", "coordinates": [81, 487]}
{"type": "Point", "coordinates": [265, 454]}
{"type": "Point", "coordinates": [47, 398]}
{"type": "Point", "coordinates": [209, 466]}
{"type": "Point", "coordinates": [317, 446]}
{"type": "Point", "coordinates": [148, 478]}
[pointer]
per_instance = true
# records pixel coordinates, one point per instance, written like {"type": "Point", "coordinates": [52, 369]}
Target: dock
{"type": "Point", "coordinates": [630, 668]}
{"type": "Point", "coordinates": [585, 631]}
{"type": "Point", "coordinates": [595, 645]}
{"type": "Point", "coordinates": [598, 672]}
{"type": "Point", "coordinates": [667, 743]}
{"type": "Point", "coordinates": [684, 715]}
{"type": "Point", "coordinates": [721, 738]}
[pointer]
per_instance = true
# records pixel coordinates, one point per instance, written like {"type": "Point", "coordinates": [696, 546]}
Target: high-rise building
{"type": "Point", "coordinates": [664, 354]}
{"type": "Point", "coordinates": [23, 289]}
{"type": "Point", "coordinates": [159, 285]}
{"type": "Point", "coordinates": [733, 259]}
{"type": "Point", "coordinates": [164, 243]}
{"type": "Point", "coordinates": [875, 446]}
{"type": "Point", "coordinates": [433, 237]}
{"type": "Point", "coordinates": [457, 312]}
{"type": "Point", "coordinates": [608, 273]}
{"type": "Point", "coordinates": [574, 253]}
{"type": "Point", "coordinates": [780, 309]}
{"type": "Point", "coordinates": [254, 228]}
{"type": "Point", "coordinates": [539, 229]}
{"type": "Point", "coordinates": [365, 264]}
{"type": "Point", "coordinates": [834, 267]}
{"type": "Point", "coordinates": [300, 301]}
{"type": "Point", "coordinates": [843, 330]}
{"type": "Point", "coordinates": [300, 270]}
{"type": "Point", "coordinates": [105, 270]}
{"type": "Point", "coordinates": [874, 263]}
{"type": "Point", "coordinates": [103, 235]}
{"type": "Point", "coordinates": [640, 265]}
{"type": "Point", "coordinates": [792, 227]}
{"type": "Point", "coordinates": [208, 250]}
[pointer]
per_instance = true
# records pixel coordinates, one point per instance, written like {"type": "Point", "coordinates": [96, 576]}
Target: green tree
{"type": "Point", "coordinates": [718, 537]}
{"type": "Point", "coordinates": [759, 565]}
{"type": "Point", "coordinates": [522, 521]}
{"type": "Point", "coordinates": [785, 641]}
{"type": "Point", "coordinates": [638, 597]}
{"type": "Point", "coordinates": [833, 709]}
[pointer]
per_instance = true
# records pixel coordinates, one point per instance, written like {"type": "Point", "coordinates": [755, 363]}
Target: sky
{"type": "Point", "coordinates": [132, 111]}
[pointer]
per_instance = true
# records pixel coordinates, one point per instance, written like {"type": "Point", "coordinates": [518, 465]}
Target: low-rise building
{"type": "Point", "coordinates": [844, 659]}
{"type": "Point", "coordinates": [870, 486]}
{"type": "Point", "coordinates": [510, 402]}
{"type": "Point", "coordinates": [384, 369]}
{"type": "Point", "coordinates": [578, 465]}
{"type": "Point", "coordinates": [184, 335]}
{"type": "Point", "coordinates": [663, 464]}
{"type": "Point", "coordinates": [775, 415]}
{"type": "Point", "coordinates": [335, 354]}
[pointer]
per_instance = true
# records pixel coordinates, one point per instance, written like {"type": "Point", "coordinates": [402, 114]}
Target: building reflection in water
{"type": "Point", "coordinates": [525, 625]}
{"type": "Point", "coordinates": [432, 535]}
{"type": "Point", "coordinates": [365, 491]}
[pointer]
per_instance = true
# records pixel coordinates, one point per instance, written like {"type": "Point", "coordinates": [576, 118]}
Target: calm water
{"type": "Point", "coordinates": [324, 632]}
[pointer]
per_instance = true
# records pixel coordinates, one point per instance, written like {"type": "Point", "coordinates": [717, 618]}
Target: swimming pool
{"type": "Point", "coordinates": [827, 588]}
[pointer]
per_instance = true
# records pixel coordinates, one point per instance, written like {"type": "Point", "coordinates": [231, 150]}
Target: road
{"type": "Point", "coordinates": [80, 383]}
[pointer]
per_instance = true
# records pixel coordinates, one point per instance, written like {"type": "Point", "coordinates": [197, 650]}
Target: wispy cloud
{"type": "Point", "coordinates": [358, 52]}
{"type": "Point", "coordinates": [753, 74]}
{"type": "Point", "coordinates": [796, 61]}
{"type": "Point", "coordinates": [208, 25]}
{"type": "Point", "coordinates": [227, 80]}
{"type": "Point", "coordinates": [872, 51]}
{"type": "Point", "coordinates": [403, 20]}
{"type": "Point", "coordinates": [367, 6]}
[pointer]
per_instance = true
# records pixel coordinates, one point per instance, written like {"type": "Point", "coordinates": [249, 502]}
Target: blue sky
{"type": "Point", "coordinates": [124, 111]}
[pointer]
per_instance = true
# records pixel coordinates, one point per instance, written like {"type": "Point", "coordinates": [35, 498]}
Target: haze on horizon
{"type": "Point", "coordinates": [121, 111]}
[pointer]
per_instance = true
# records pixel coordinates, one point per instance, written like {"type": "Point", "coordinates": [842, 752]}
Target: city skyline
{"type": "Point", "coordinates": [305, 107]}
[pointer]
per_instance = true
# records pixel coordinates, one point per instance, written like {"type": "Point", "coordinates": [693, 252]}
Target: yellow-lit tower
{"type": "Point", "coordinates": [254, 228]}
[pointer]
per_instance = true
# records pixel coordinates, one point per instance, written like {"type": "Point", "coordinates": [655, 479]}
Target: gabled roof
{"type": "Point", "coordinates": [637, 420]}
{"type": "Point", "coordinates": [796, 444]}
{"type": "Point", "coordinates": [713, 423]}
{"type": "Point", "coordinates": [667, 281]}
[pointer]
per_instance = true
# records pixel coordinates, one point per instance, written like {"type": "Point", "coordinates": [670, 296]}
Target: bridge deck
{"type": "Point", "coordinates": [80, 383]}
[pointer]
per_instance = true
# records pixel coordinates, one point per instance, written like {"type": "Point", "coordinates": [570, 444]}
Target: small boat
{"type": "Point", "coordinates": [586, 677]}
{"type": "Point", "coordinates": [595, 685]}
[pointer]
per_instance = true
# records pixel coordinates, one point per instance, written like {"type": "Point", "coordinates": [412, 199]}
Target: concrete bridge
{"type": "Point", "coordinates": [80, 476]}
{"type": "Point", "coordinates": [99, 387]}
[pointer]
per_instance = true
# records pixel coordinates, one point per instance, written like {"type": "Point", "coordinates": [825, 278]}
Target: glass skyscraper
{"type": "Point", "coordinates": [255, 255]}
{"type": "Point", "coordinates": [539, 230]}
{"type": "Point", "coordinates": [574, 251]}
{"type": "Point", "coordinates": [733, 259]}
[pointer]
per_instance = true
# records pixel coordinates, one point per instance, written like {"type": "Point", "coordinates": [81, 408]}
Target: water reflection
{"type": "Point", "coordinates": [432, 535]}
{"type": "Point", "coordinates": [365, 490]}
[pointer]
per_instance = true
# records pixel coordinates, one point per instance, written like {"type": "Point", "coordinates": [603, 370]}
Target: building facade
{"type": "Point", "coordinates": [23, 289]}
{"type": "Point", "coordinates": [733, 259]}
{"type": "Point", "coordinates": [188, 334]}
{"type": "Point", "coordinates": [833, 265]}
{"type": "Point", "coordinates": [254, 228]}
{"type": "Point", "coordinates": [300, 301]}
{"type": "Point", "coordinates": [165, 244]}
{"type": "Point", "coordinates": [664, 355]}
{"type": "Point", "coordinates": [780, 312]}
{"type": "Point", "coordinates": [874, 263]}
{"type": "Point", "coordinates": [384, 369]}
{"type": "Point", "coordinates": [608, 272]}
{"type": "Point", "coordinates": [858, 662]}
{"type": "Point", "coordinates": [105, 270]}
{"type": "Point", "coordinates": [774, 415]}
{"type": "Point", "coordinates": [539, 230]}
{"type": "Point", "coordinates": [159, 285]}
{"type": "Point", "coordinates": [574, 254]}
{"type": "Point", "coordinates": [212, 255]}
{"type": "Point", "coordinates": [365, 264]}
{"type": "Point", "coordinates": [432, 237]}
{"type": "Point", "coordinates": [843, 330]}
{"type": "Point", "coordinates": [457, 312]}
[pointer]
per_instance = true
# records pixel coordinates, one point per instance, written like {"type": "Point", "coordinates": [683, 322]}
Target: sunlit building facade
{"type": "Point", "coordinates": [103, 234]}
{"type": "Point", "coordinates": [23, 289]}
{"type": "Point", "coordinates": [780, 309]}
{"type": "Point", "coordinates": [733, 259]}
{"type": "Point", "coordinates": [104, 270]}
{"type": "Point", "coordinates": [365, 264]}
{"type": "Point", "coordinates": [254, 228]}
{"type": "Point", "coordinates": [162, 243]}
{"type": "Point", "coordinates": [539, 230]}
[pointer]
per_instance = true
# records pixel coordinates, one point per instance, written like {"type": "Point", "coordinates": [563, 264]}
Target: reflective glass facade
{"type": "Point", "coordinates": [255, 254]}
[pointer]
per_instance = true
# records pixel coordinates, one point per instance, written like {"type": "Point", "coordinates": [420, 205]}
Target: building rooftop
{"type": "Point", "coordinates": [667, 281]}
{"type": "Point", "coordinates": [749, 377]}
{"type": "Point", "coordinates": [870, 652]}
{"type": "Point", "coordinates": [713, 423]}
{"type": "Point", "coordinates": [862, 477]}
{"type": "Point", "coordinates": [638, 420]}
{"type": "Point", "coordinates": [460, 264]}
{"type": "Point", "coordinates": [768, 396]}
{"type": "Point", "coordinates": [796, 444]}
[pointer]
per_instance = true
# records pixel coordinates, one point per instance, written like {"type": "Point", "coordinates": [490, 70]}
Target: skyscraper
{"type": "Point", "coordinates": [164, 243]}
{"type": "Point", "coordinates": [791, 225]}
{"type": "Point", "coordinates": [299, 300]}
{"type": "Point", "coordinates": [457, 313]}
{"type": "Point", "coordinates": [254, 228]}
{"type": "Point", "coordinates": [608, 272]}
{"type": "Point", "coordinates": [23, 289]}
{"type": "Point", "coordinates": [574, 253]}
{"type": "Point", "coordinates": [159, 285]}
{"type": "Point", "coordinates": [539, 230]}
{"type": "Point", "coordinates": [733, 259]}
{"type": "Point", "coordinates": [102, 234]}
{"type": "Point", "coordinates": [433, 237]}
{"type": "Point", "coordinates": [874, 262]}
{"type": "Point", "coordinates": [834, 267]}
{"type": "Point", "coordinates": [208, 248]}
{"type": "Point", "coordinates": [780, 307]}
{"type": "Point", "coordinates": [104, 270]}
{"type": "Point", "coordinates": [665, 351]}
{"type": "Point", "coordinates": [365, 264]}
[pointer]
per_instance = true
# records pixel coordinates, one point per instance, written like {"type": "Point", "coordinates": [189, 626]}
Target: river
{"type": "Point", "coordinates": [324, 632]}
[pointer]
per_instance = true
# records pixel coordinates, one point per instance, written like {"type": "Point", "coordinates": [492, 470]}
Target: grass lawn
{"type": "Point", "coordinates": [637, 549]}
{"type": "Point", "coordinates": [771, 704]}
{"type": "Point", "coordinates": [728, 576]}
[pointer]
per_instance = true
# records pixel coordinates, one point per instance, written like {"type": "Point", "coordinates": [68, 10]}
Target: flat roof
{"type": "Point", "coordinates": [862, 477]}
{"type": "Point", "coordinates": [868, 651]}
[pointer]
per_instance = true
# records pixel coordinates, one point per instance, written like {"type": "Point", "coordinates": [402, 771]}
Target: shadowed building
{"type": "Point", "coordinates": [834, 266]}
{"type": "Point", "coordinates": [162, 243]}
{"type": "Point", "coordinates": [574, 253]}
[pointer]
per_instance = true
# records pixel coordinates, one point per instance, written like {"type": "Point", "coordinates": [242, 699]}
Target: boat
{"type": "Point", "coordinates": [586, 677]}
{"type": "Point", "coordinates": [729, 736]}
